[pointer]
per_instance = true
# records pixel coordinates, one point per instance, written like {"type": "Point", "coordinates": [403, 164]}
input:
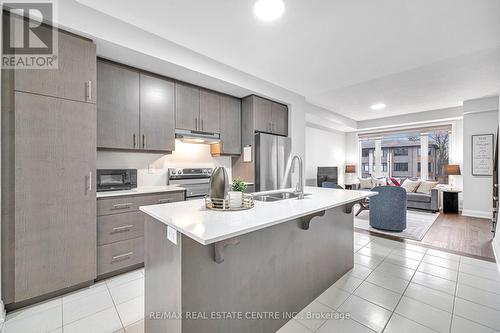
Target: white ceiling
{"type": "Point", "coordinates": [343, 55]}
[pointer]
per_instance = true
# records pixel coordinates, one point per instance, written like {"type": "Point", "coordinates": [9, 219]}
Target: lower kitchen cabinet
{"type": "Point", "coordinates": [120, 230]}
{"type": "Point", "coordinates": [119, 255]}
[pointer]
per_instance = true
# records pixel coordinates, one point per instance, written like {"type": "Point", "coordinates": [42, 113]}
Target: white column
{"type": "Point", "coordinates": [378, 157]}
{"type": "Point", "coordinates": [424, 156]}
{"type": "Point", "coordinates": [370, 162]}
{"type": "Point", "coordinates": [360, 159]}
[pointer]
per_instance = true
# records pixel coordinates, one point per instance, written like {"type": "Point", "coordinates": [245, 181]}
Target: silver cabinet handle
{"type": "Point", "coordinates": [143, 141]}
{"type": "Point", "coordinates": [90, 181]}
{"type": "Point", "coordinates": [134, 140]}
{"type": "Point", "coordinates": [123, 228]}
{"type": "Point", "coordinates": [196, 123]}
{"type": "Point", "coordinates": [202, 126]}
{"type": "Point", "coordinates": [122, 206]}
{"type": "Point", "coordinates": [88, 88]}
{"type": "Point", "coordinates": [164, 200]}
{"type": "Point", "coordinates": [122, 256]}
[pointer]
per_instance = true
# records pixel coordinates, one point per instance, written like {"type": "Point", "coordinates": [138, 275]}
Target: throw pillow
{"type": "Point", "coordinates": [426, 187]}
{"type": "Point", "coordinates": [410, 185]}
{"type": "Point", "coordinates": [393, 181]}
{"type": "Point", "coordinates": [365, 183]}
{"type": "Point", "coordinates": [378, 181]}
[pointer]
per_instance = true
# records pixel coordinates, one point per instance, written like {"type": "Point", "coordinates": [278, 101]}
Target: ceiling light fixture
{"type": "Point", "coordinates": [269, 10]}
{"type": "Point", "coordinates": [378, 106]}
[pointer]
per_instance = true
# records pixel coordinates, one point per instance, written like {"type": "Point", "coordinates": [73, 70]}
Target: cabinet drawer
{"type": "Point", "coordinates": [115, 256]}
{"type": "Point", "coordinates": [118, 205]}
{"type": "Point", "coordinates": [119, 227]}
{"type": "Point", "coordinates": [155, 199]}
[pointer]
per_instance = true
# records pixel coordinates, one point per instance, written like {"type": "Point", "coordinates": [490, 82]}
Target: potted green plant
{"type": "Point", "coordinates": [236, 193]}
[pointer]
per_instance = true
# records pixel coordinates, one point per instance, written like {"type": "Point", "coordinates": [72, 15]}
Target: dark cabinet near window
{"type": "Point", "coordinates": [135, 110]}
{"type": "Point", "coordinates": [269, 116]}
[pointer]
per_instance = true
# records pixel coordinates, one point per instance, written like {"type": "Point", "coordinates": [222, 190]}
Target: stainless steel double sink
{"type": "Point", "coordinates": [276, 196]}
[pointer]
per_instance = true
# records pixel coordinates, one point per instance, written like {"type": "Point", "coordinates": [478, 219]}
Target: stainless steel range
{"type": "Point", "coordinates": [194, 180]}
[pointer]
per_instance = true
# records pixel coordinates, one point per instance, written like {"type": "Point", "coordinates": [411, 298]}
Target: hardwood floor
{"type": "Point", "coordinates": [462, 234]}
{"type": "Point", "coordinates": [467, 236]}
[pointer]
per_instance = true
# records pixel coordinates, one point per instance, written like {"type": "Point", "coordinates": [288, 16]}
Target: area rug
{"type": "Point", "coordinates": [417, 224]}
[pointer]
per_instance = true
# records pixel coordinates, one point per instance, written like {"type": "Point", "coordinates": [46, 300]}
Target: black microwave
{"type": "Point", "coordinates": [116, 179]}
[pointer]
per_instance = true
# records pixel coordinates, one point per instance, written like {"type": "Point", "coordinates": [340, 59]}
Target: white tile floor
{"type": "Point", "coordinates": [114, 305]}
{"type": "Point", "coordinates": [394, 287]}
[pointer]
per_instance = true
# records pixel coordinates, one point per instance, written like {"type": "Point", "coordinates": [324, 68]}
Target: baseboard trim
{"type": "Point", "coordinates": [495, 244]}
{"type": "Point", "coordinates": [477, 213]}
{"type": "Point", "coordinates": [3, 313]}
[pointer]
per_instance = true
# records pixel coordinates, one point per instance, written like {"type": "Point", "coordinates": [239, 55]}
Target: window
{"type": "Point", "coordinates": [439, 141]}
{"type": "Point", "coordinates": [401, 152]}
{"type": "Point", "coordinates": [365, 167]}
{"type": "Point", "coordinates": [400, 166]}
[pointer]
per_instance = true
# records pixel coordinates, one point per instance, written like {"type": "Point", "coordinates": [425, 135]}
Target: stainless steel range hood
{"type": "Point", "coordinates": [197, 137]}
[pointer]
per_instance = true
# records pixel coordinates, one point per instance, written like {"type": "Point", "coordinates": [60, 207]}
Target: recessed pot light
{"type": "Point", "coordinates": [378, 106]}
{"type": "Point", "coordinates": [269, 10]}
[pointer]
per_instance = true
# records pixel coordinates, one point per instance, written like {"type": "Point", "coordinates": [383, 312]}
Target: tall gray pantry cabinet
{"type": "Point", "coordinates": [48, 165]}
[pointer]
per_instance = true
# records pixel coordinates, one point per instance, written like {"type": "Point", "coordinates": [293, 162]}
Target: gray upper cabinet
{"type": "Point", "coordinates": [75, 77]}
{"type": "Point", "coordinates": [209, 111]}
{"type": "Point", "coordinates": [262, 114]}
{"type": "Point", "coordinates": [157, 118]}
{"type": "Point", "coordinates": [279, 119]}
{"type": "Point", "coordinates": [270, 117]}
{"type": "Point", "coordinates": [230, 125]}
{"type": "Point", "coordinates": [117, 106]}
{"type": "Point", "coordinates": [187, 107]}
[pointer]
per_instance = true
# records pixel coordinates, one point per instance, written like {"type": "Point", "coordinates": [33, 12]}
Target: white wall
{"type": "Point", "coordinates": [477, 191]}
{"type": "Point", "coordinates": [352, 149]}
{"type": "Point", "coordinates": [152, 168]}
{"type": "Point", "coordinates": [324, 148]}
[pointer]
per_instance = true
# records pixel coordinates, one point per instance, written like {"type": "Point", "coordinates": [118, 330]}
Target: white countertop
{"type": "Point", "coordinates": [140, 190]}
{"type": "Point", "coordinates": [205, 226]}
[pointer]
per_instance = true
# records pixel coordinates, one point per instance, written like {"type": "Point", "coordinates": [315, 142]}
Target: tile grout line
{"type": "Point", "coordinates": [455, 297]}
{"type": "Point", "coordinates": [402, 295]}
{"type": "Point", "coordinates": [114, 305]}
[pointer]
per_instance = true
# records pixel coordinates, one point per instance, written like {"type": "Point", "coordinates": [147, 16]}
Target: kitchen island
{"type": "Point", "coordinates": [245, 271]}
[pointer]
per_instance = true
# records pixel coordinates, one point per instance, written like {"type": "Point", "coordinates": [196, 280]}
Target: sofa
{"type": "Point", "coordinates": [414, 200]}
{"type": "Point", "coordinates": [424, 201]}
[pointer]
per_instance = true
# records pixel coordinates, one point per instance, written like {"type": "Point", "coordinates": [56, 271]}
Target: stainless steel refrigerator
{"type": "Point", "coordinates": [272, 154]}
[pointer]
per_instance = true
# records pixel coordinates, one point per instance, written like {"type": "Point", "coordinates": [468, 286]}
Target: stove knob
{"type": "Point", "coordinates": [209, 171]}
{"type": "Point", "coordinates": [179, 172]}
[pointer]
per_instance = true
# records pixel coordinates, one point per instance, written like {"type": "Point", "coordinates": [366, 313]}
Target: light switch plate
{"type": "Point", "coordinates": [172, 235]}
{"type": "Point", "coordinates": [247, 154]}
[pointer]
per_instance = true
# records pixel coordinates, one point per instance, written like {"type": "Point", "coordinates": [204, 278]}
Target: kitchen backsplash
{"type": "Point", "coordinates": [152, 168]}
